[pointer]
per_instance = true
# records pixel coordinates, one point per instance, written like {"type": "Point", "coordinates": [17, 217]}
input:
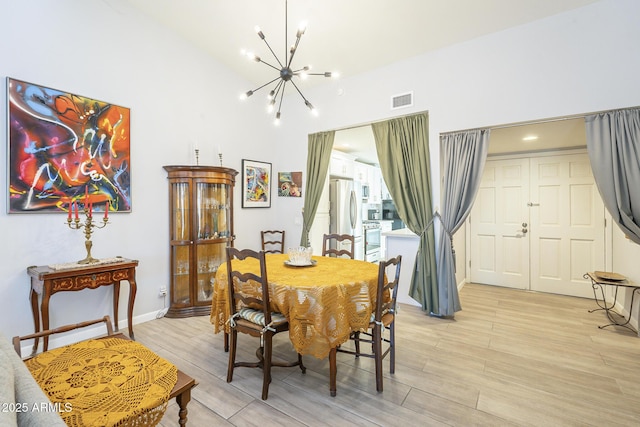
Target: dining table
{"type": "Point", "coordinates": [324, 301]}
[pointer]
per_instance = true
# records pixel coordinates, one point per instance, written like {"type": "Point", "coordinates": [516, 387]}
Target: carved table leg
{"type": "Point", "coordinates": [132, 299]}
{"type": "Point", "coordinates": [36, 319]}
{"type": "Point", "coordinates": [116, 300]}
{"type": "Point", "coordinates": [182, 400]}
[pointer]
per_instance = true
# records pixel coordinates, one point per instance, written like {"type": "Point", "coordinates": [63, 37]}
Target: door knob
{"type": "Point", "coordinates": [524, 228]}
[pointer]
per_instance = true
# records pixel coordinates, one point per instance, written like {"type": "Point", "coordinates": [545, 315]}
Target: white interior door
{"type": "Point", "coordinates": [499, 244]}
{"type": "Point", "coordinates": [567, 225]}
{"type": "Point", "coordinates": [538, 224]}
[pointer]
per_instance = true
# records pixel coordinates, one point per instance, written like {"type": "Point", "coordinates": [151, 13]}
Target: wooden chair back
{"type": "Point", "coordinates": [272, 241]}
{"type": "Point", "coordinates": [385, 285]}
{"type": "Point", "coordinates": [331, 245]}
{"type": "Point", "coordinates": [237, 279]}
{"type": "Point", "coordinates": [66, 328]}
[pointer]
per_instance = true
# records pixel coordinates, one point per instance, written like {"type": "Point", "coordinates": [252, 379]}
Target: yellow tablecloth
{"type": "Point", "coordinates": [105, 382]}
{"type": "Point", "coordinates": [323, 303]}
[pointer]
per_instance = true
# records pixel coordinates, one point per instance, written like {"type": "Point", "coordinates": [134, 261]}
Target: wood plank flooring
{"type": "Point", "coordinates": [509, 358]}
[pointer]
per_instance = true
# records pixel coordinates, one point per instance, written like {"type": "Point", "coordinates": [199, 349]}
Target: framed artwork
{"type": "Point", "coordinates": [66, 148]}
{"type": "Point", "coordinates": [256, 184]}
{"type": "Point", "coordinates": [290, 184]}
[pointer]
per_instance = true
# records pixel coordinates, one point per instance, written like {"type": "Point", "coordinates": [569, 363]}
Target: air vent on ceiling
{"type": "Point", "coordinates": [402, 100]}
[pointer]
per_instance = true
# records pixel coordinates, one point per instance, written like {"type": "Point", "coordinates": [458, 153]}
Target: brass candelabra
{"type": "Point", "coordinates": [88, 225]}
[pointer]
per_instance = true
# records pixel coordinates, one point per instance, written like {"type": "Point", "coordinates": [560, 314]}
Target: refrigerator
{"type": "Point", "coordinates": [345, 202]}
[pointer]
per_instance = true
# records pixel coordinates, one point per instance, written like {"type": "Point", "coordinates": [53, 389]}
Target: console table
{"type": "Point", "coordinates": [47, 280]}
{"type": "Point", "coordinates": [599, 282]}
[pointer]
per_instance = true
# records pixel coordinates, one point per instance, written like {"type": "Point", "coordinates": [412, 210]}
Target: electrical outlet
{"type": "Point", "coordinates": [163, 291]}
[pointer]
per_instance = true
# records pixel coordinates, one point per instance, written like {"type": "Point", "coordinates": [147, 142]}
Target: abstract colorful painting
{"type": "Point", "coordinates": [65, 148]}
{"type": "Point", "coordinates": [256, 184]}
{"type": "Point", "coordinates": [290, 184]}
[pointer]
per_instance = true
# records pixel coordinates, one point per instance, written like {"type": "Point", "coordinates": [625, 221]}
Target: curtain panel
{"type": "Point", "coordinates": [403, 152]}
{"type": "Point", "coordinates": [318, 158]}
{"type": "Point", "coordinates": [613, 143]}
{"type": "Point", "coordinates": [464, 155]}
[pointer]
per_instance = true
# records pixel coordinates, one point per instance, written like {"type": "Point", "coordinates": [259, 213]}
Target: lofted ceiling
{"type": "Point", "coordinates": [348, 36]}
{"type": "Point", "coordinates": [353, 37]}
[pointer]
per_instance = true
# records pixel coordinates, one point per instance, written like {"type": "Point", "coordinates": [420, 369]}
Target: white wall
{"type": "Point", "coordinates": [576, 62]}
{"type": "Point", "coordinates": [177, 96]}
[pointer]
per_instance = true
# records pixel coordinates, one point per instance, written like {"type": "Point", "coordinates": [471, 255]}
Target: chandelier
{"type": "Point", "coordinates": [286, 72]}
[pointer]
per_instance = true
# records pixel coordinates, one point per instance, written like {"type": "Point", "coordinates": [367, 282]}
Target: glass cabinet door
{"type": "Point", "coordinates": [209, 256]}
{"type": "Point", "coordinates": [180, 211]}
{"type": "Point", "coordinates": [181, 277]}
{"type": "Point", "coordinates": [212, 215]}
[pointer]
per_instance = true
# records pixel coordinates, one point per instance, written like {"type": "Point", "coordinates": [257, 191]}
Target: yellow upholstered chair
{"type": "Point", "coordinates": [108, 381]}
{"type": "Point", "coordinates": [329, 239]}
{"type": "Point", "coordinates": [382, 319]}
{"type": "Point", "coordinates": [250, 314]}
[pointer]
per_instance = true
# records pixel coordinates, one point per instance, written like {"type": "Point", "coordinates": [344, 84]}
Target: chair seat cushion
{"type": "Point", "coordinates": [106, 381]}
{"type": "Point", "coordinates": [257, 316]}
{"type": "Point", "coordinates": [387, 318]}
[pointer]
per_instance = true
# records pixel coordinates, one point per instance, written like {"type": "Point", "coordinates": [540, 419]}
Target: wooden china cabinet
{"type": "Point", "coordinates": [200, 228]}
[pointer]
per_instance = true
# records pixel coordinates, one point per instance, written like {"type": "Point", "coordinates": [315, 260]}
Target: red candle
{"type": "Point", "coordinates": [86, 194]}
{"type": "Point", "coordinates": [90, 210]}
{"type": "Point", "coordinates": [76, 203]}
{"type": "Point", "coordinates": [106, 210]}
{"type": "Point", "coordinates": [70, 209]}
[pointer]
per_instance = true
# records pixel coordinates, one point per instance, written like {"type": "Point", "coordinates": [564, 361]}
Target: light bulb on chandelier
{"type": "Point", "coordinates": [286, 73]}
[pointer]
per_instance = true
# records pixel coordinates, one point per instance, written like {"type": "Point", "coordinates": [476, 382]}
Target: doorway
{"type": "Point", "coordinates": [538, 223]}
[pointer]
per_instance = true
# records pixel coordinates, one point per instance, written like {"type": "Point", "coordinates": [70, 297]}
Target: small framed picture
{"type": "Point", "coordinates": [256, 184]}
{"type": "Point", "coordinates": [290, 184]}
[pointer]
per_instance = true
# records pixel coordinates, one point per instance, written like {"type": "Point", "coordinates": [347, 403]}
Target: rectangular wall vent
{"type": "Point", "coordinates": [402, 100]}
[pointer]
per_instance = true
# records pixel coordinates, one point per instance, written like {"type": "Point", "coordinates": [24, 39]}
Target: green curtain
{"type": "Point", "coordinates": [403, 152]}
{"type": "Point", "coordinates": [318, 158]}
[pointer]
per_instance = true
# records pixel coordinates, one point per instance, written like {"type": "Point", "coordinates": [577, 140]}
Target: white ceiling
{"type": "Point", "coordinates": [352, 37]}
{"type": "Point", "coordinates": [348, 36]}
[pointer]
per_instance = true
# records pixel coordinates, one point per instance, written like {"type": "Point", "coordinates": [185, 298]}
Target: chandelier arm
{"type": "Point", "coordinates": [286, 30]}
{"type": "Point", "coordinates": [282, 95]}
{"type": "Point", "coordinates": [272, 52]}
{"type": "Point", "coordinates": [276, 89]}
{"type": "Point", "coordinates": [267, 83]}
{"type": "Point", "coordinates": [296, 86]}
{"type": "Point", "coordinates": [294, 50]}
{"type": "Point", "coordinates": [269, 65]}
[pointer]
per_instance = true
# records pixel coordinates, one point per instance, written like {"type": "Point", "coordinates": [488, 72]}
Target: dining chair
{"type": "Point", "coordinates": [329, 239]}
{"type": "Point", "coordinates": [273, 241]}
{"type": "Point", "coordinates": [250, 313]}
{"type": "Point", "coordinates": [382, 319]}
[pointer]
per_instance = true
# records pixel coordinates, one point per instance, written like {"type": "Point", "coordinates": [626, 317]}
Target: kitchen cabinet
{"type": "Point", "coordinates": [342, 165]}
{"type": "Point", "coordinates": [369, 175]}
{"type": "Point", "coordinates": [375, 176]}
{"type": "Point", "coordinates": [200, 229]}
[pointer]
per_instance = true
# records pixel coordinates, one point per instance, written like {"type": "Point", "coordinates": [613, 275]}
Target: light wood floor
{"type": "Point", "coordinates": [510, 358]}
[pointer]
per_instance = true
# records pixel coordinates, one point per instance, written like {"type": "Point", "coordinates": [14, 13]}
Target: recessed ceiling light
{"type": "Point", "coordinates": [530, 138]}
